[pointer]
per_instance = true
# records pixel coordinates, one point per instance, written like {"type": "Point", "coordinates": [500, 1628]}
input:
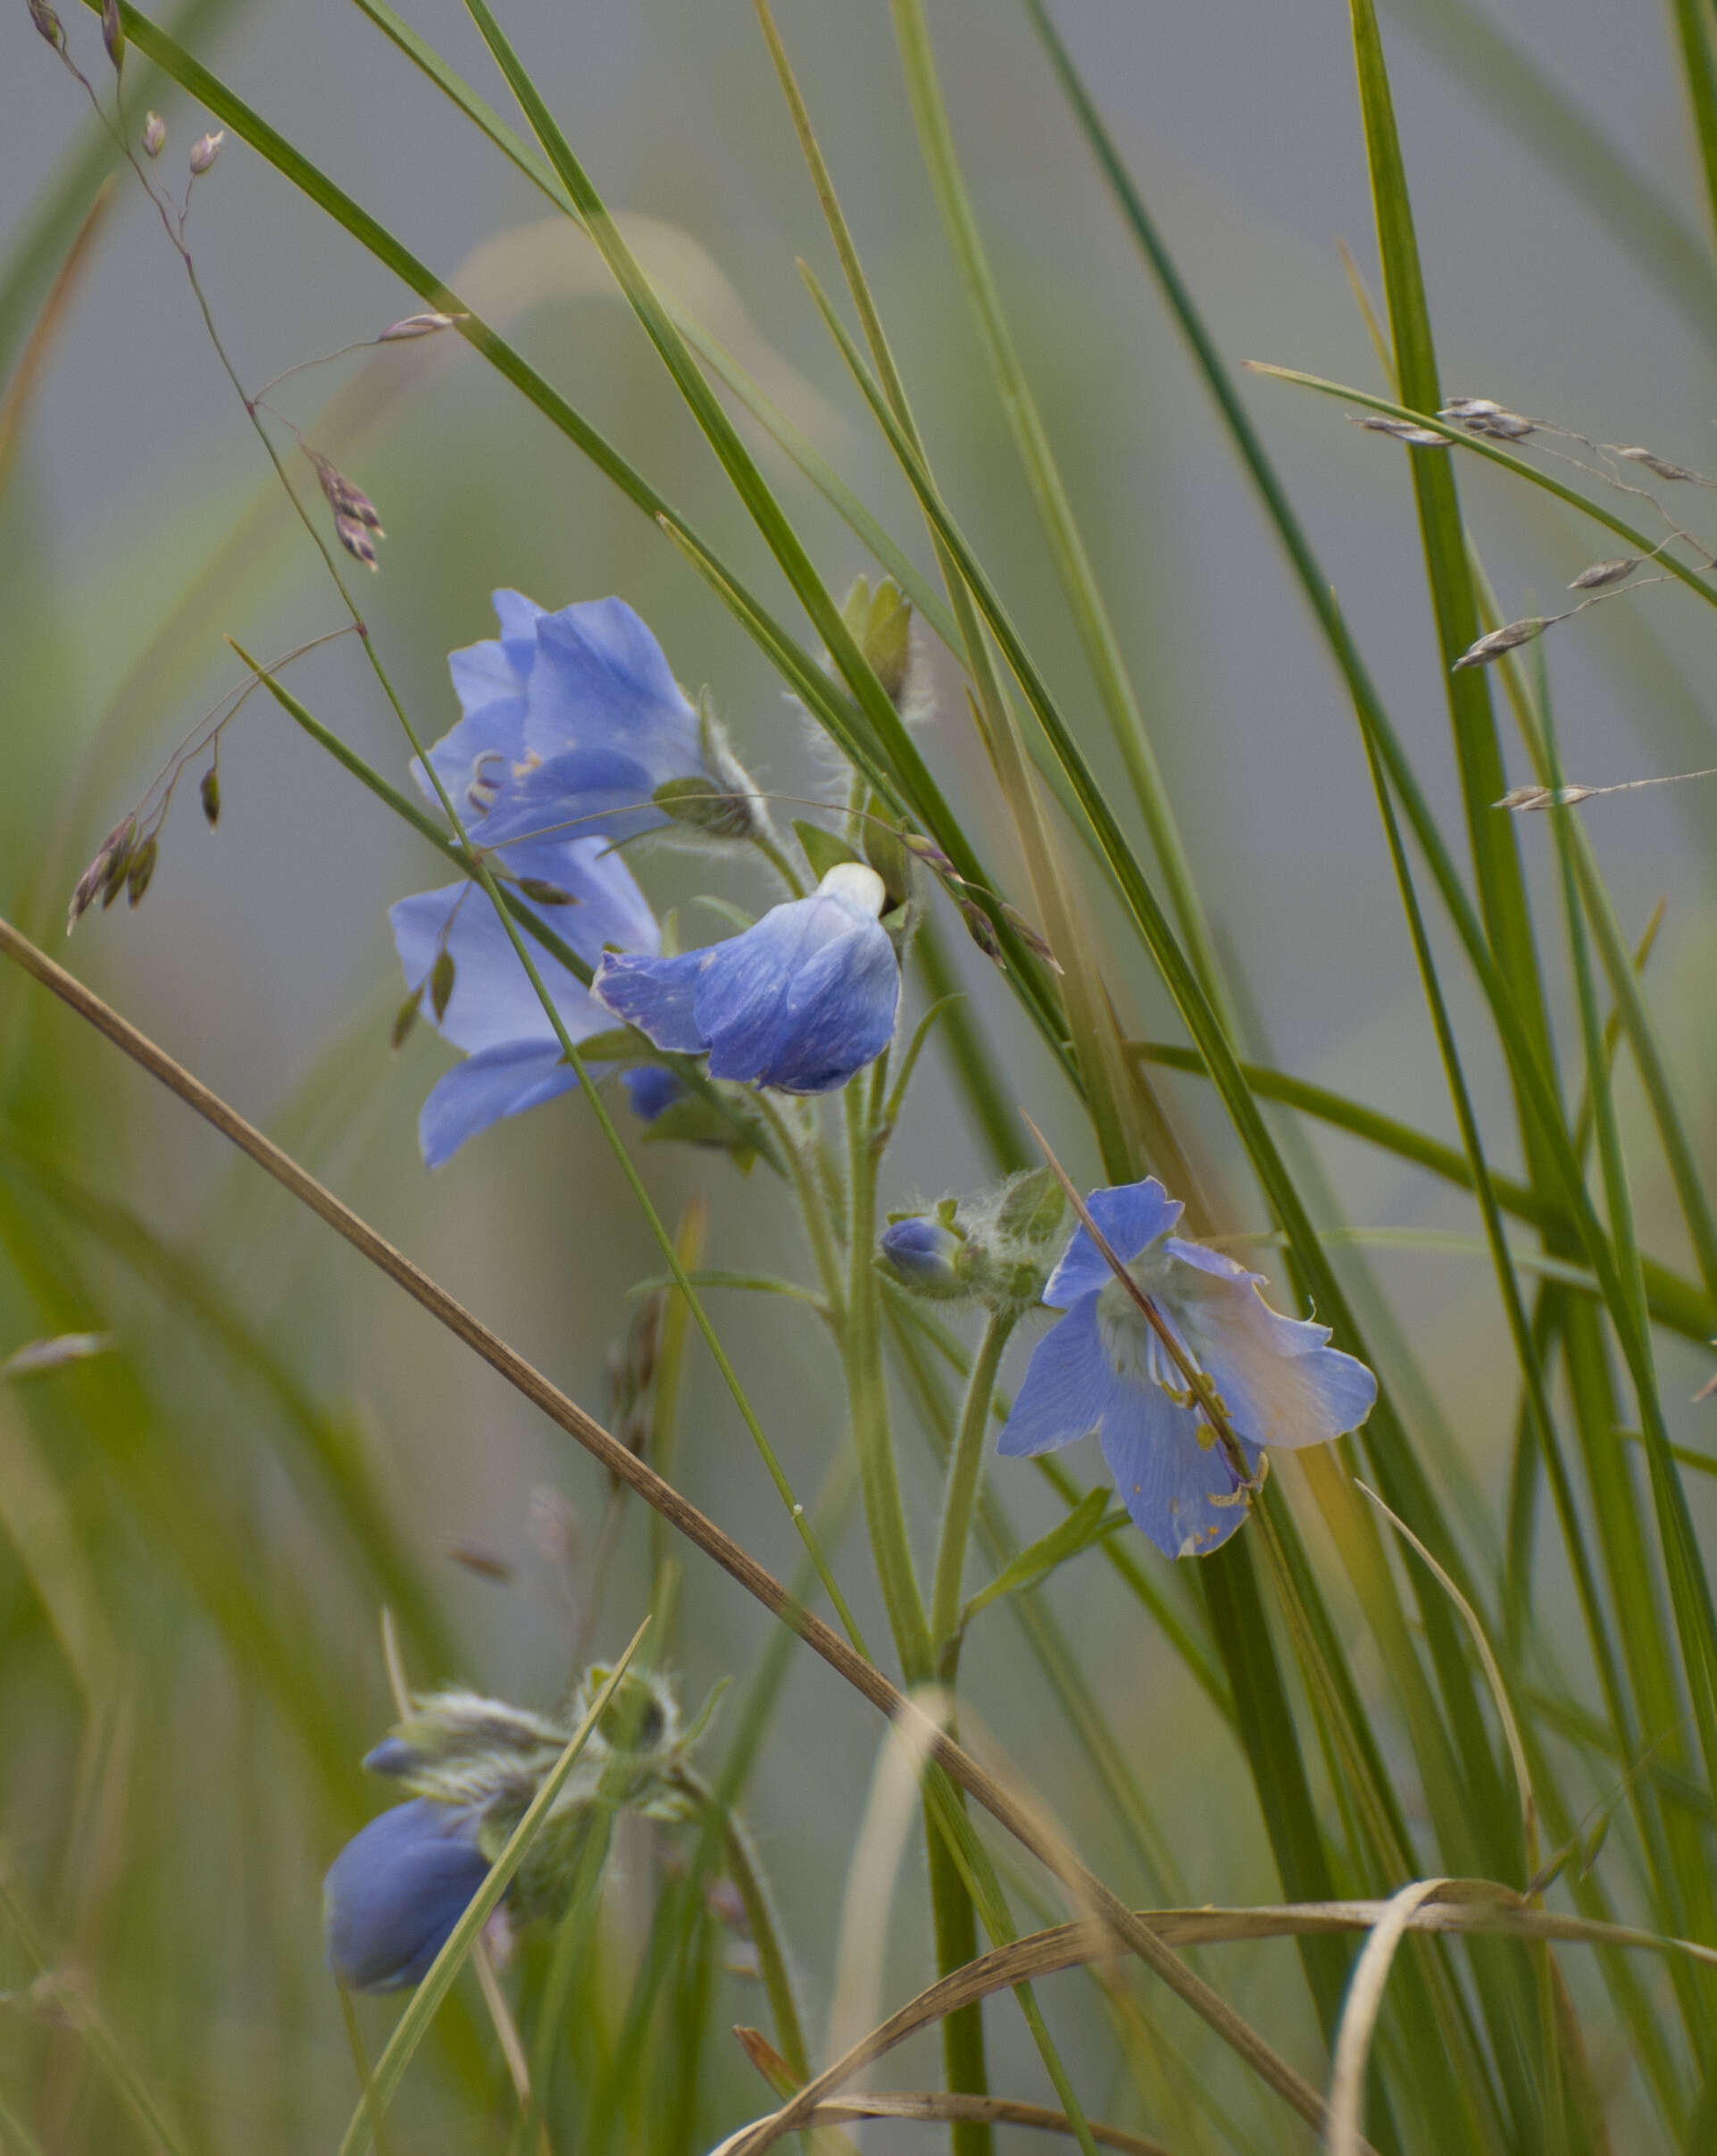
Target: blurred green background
{"type": "Point", "coordinates": [196, 1533]}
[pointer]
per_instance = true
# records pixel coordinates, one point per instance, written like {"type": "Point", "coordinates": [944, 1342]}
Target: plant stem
{"type": "Point", "coordinates": [746, 1872]}
{"type": "Point", "coordinates": [956, 1944]}
{"type": "Point", "coordinates": [868, 1399]}
{"type": "Point", "coordinates": [965, 1471]}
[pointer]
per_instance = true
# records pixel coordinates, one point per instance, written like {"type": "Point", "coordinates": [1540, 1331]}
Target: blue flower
{"type": "Point", "coordinates": [574, 725]}
{"type": "Point", "coordinates": [800, 1000]}
{"type": "Point", "coordinates": [396, 1890]}
{"type": "Point", "coordinates": [513, 1058]}
{"type": "Point", "coordinates": [652, 1090]}
{"type": "Point", "coordinates": [1102, 1367]}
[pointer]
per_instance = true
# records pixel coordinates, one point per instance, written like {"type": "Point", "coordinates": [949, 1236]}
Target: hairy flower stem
{"type": "Point", "coordinates": [868, 1400]}
{"type": "Point", "coordinates": [966, 1472]}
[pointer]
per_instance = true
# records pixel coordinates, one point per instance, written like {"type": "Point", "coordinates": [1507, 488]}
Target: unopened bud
{"type": "Point", "coordinates": [141, 869]}
{"type": "Point", "coordinates": [544, 894]}
{"type": "Point", "coordinates": [155, 135]}
{"type": "Point", "coordinates": [354, 537]}
{"type": "Point", "coordinates": [1509, 637]}
{"type": "Point", "coordinates": [981, 929]}
{"type": "Point", "coordinates": [441, 980]}
{"type": "Point", "coordinates": [48, 23]}
{"type": "Point", "coordinates": [1601, 574]}
{"type": "Point", "coordinates": [405, 1017]}
{"type": "Point", "coordinates": [205, 150]}
{"type": "Point", "coordinates": [1404, 431]}
{"type": "Point", "coordinates": [931, 853]}
{"type": "Point", "coordinates": [1661, 465]}
{"type": "Point", "coordinates": [104, 874]}
{"type": "Point", "coordinates": [345, 499]}
{"type": "Point", "coordinates": [1034, 940]}
{"type": "Point", "coordinates": [114, 33]}
{"type": "Point", "coordinates": [920, 1254]}
{"type": "Point", "coordinates": [209, 794]}
{"type": "Point", "coordinates": [880, 624]}
{"type": "Point", "coordinates": [419, 325]}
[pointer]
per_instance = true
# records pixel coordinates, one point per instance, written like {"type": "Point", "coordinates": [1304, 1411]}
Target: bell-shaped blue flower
{"type": "Point", "coordinates": [800, 1000]}
{"type": "Point", "coordinates": [396, 1890]}
{"type": "Point", "coordinates": [513, 1057]}
{"type": "Point", "coordinates": [575, 726]}
{"type": "Point", "coordinates": [1102, 1367]}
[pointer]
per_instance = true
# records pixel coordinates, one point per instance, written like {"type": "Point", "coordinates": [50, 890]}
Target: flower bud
{"type": "Point", "coordinates": [880, 624]}
{"type": "Point", "coordinates": [356, 538]}
{"type": "Point", "coordinates": [155, 135]}
{"type": "Point", "coordinates": [923, 1254]}
{"type": "Point", "coordinates": [441, 980]}
{"type": "Point", "coordinates": [114, 33]}
{"type": "Point", "coordinates": [418, 325]}
{"type": "Point", "coordinates": [205, 150]}
{"type": "Point", "coordinates": [141, 867]}
{"type": "Point", "coordinates": [209, 794]}
{"type": "Point", "coordinates": [48, 23]}
{"type": "Point", "coordinates": [542, 893]}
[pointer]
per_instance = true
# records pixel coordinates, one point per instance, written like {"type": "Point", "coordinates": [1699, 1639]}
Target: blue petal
{"type": "Point", "coordinates": [1067, 1387]}
{"type": "Point", "coordinates": [392, 1756]}
{"type": "Point", "coordinates": [1280, 1384]}
{"type": "Point", "coordinates": [493, 1003]}
{"type": "Point", "coordinates": [497, 1082]}
{"type": "Point", "coordinates": [801, 999]}
{"type": "Point", "coordinates": [652, 1088]}
{"type": "Point", "coordinates": [655, 995]}
{"type": "Point", "coordinates": [598, 791]}
{"type": "Point", "coordinates": [1181, 1492]}
{"type": "Point", "coordinates": [394, 1892]}
{"type": "Point", "coordinates": [600, 680]}
{"type": "Point", "coordinates": [1130, 1217]}
{"type": "Point", "coordinates": [518, 617]}
{"type": "Point", "coordinates": [922, 1251]}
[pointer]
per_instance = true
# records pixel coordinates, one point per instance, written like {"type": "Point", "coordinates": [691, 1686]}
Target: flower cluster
{"type": "Point", "coordinates": [576, 738]}
{"type": "Point", "coordinates": [472, 1765]}
{"type": "Point", "coordinates": [1104, 1368]}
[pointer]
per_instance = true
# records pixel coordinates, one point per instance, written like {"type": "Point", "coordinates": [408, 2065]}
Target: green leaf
{"type": "Point", "coordinates": [1087, 1522]}
{"type": "Point", "coordinates": [823, 848]}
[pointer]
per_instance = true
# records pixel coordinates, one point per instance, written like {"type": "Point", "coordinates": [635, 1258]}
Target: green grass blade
{"type": "Point", "coordinates": [1501, 76]}
{"type": "Point", "coordinates": [1073, 565]}
{"type": "Point", "coordinates": [1693, 35]}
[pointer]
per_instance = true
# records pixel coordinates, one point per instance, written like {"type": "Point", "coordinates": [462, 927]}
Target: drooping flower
{"type": "Point", "coordinates": [575, 726]}
{"type": "Point", "coordinates": [800, 1000]}
{"type": "Point", "coordinates": [396, 1890]}
{"type": "Point", "coordinates": [513, 1057]}
{"type": "Point", "coordinates": [1101, 1367]}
